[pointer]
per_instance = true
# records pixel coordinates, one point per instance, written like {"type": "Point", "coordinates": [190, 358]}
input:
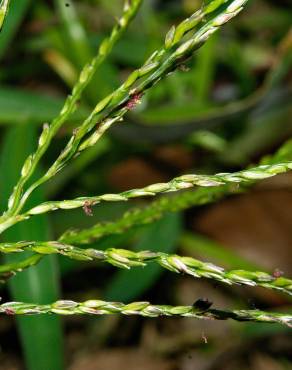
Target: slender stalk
{"type": "Point", "coordinates": [156, 209]}
{"type": "Point", "coordinates": [86, 75]}
{"type": "Point", "coordinates": [248, 176]}
{"type": "Point", "coordinates": [97, 307]}
{"type": "Point", "coordinates": [10, 269]}
{"type": "Point", "coordinates": [144, 215]}
{"type": "Point", "coordinates": [127, 259]}
{"type": "Point", "coordinates": [112, 109]}
{"type": "Point", "coordinates": [220, 183]}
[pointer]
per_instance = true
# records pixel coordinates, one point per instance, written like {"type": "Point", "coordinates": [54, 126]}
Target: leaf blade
{"type": "Point", "coordinates": [38, 283]}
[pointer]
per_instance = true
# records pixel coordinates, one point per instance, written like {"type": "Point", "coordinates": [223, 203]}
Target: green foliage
{"type": "Point", "coordinates": [38, 283]}
{"type": "Point", "coordinates": [4, 7]}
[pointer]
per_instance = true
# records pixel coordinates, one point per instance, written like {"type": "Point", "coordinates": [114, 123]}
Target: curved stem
{"type": "Point", "coordinates": [248, 176]}
{"type": "Point", "coordinates": [10, 269]}
{"type": "Point", "coordinates": [97, 307]}
{"type": "Point", "coordinates": [183, 265]}
{"type": "Point", "coordinates": [217, 186]}
{"type": "Point", "coordinates": [156, 209]}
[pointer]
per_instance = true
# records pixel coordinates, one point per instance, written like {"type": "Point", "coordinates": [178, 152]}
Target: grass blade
{"type": "Point", "coordinates": [14, 17]}
{"type": "Point", "coordinates": [39, 283]}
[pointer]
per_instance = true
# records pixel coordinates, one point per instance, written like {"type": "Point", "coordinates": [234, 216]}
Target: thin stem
{"type": "Point", "coordinates": [144, 215]}
{"type": "Point", "coordinates": [126, 259]}
{"type": "Point", "coordinates": [221, 183]}
{"type": "Point", "coordinates": [248, 176]}
{"type": "Point", "coordinates": [10, 269]}
{"type": "Point", "coordinates": [97, 307]}
{"type": "Point", "coordinates": [156, 209]}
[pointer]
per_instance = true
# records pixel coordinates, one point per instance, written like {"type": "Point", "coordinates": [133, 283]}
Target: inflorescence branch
{"type": "Point", "coordinates": [156, 209]}
{"type": "Point", "coordinates": [97, 307]}
{"type": "Point", "coordinates": [183, 182]}
{"type": "Point", "coordinates": [126, 259]}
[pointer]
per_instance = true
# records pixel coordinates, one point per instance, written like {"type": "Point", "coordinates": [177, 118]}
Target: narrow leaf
{"type": "Point", "coordinates": [41, 336]}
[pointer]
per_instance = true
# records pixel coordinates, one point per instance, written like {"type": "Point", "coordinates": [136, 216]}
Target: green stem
{"type": "Point", "coordinates": [97, 307]}
{"type": "Point", "coordinates": [156, 209]}
{"type": "Point", "coordinates": [127, 259]}
{"type": "Point", "coordinates": [140, 216]}
{"type": "Point", "coordinates": [10, 269]}
{"type": "Point", "coordinates": [217, 186]}
{"type": "Point", "coordinates": [248, 176]}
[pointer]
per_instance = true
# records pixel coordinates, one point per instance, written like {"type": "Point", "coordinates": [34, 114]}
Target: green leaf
{"type": "Point", "coordinates": [4, 7]}
{"type": "Point", "coordinates": [161, 236]}
{"type": "Point", "coordinates": [204, 71]}
{"type": "Point", "coordinates": [74, 34]}
{"type": "Point", "coordinates": [77, 46]}
{"type": "Point", "coordinates": [41, 336]}
{"type": "Point", "coordinates": [20, 106]}
{"type": "Point", "coordinates": [15, 15]}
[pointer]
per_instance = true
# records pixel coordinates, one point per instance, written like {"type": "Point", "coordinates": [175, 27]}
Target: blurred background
{"type": "Point", "coordinates": [232, 107]}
